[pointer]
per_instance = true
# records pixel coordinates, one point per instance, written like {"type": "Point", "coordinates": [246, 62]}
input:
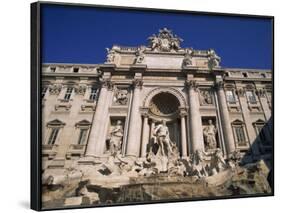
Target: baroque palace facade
{"type": "Point", "coordinates": [92, 111]}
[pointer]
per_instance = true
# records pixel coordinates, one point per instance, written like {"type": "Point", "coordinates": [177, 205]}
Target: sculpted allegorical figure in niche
{"type": "Point", "coordinates": [205, 97]}
{"type": "Point", "coordinates": [121, 97]}
{"type": "Point", "coordinates": [163, 138]}
{"type": "Point", "coordinates": [116, 136]}
{"type": "Point", "coordinates": [209, 133]}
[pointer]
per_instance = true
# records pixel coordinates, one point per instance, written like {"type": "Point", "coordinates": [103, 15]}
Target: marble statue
{"type": "Point", "coordinates": [154, 41]}
{"type": "Point", "coordinates": [214, 59]}
{"type": "Point", "coordinates": [116, 136]}
{"type": "Point", "coordinates": [163, 139]}
{"type": "Point", "coordinates": [139, 55]}
{"type": "Point", "coordinates": [209, 133]}
{"type": "Point", "coordinates": [198, 164]}
{"type": "Point", "coordinates": [187, 60]}
{"type": "Point", "coordinates": [217, 162]}
{"type": "Point", "coordinates": [175, 42]}
{"type": "Point", "coordinates": [178, 168]}
{"type": "Point", "coordinates": [121, 97]}
{"type": "Point", "coordinates": [110, 55]}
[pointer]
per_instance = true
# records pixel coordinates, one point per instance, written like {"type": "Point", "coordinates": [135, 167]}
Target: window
{"type": "Point", "coordinates": [75, 69]}
{"type": "Point", "coordinates": [93, 94]}
{"type": "Point", "coordinates": [239, 133]}
{"type": "Point", "coordinates": [53, 135]}
{"type": "Point", "coordinates": [230, 97]}
{"type": "Point", "coordinates": [83, 127]}
{"type": "Point", "coordinates": [259, 125]}
{"type": "Point", "coordinates": [259, 128]}
{"type": "Point", "coordinates": [82, 136]}
{"type": "Point", "coordinates": [251, 97]}
{"type": "Point", "coordinates": [54, 127]}
{"type": "Point", "coordinates": [68, 93]}
{"type": "Point", "coordinates": [43, 92]}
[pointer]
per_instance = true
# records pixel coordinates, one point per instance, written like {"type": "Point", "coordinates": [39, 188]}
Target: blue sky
{"type": "Point", "coordinates": [81, 34]}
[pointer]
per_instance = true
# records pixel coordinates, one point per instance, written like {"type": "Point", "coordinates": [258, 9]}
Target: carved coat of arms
{"type": "Point", "coordinates": [165, 41]}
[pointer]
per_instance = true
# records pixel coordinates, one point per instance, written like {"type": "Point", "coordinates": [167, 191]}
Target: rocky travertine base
{"type": "Point", "coordinates": [116, 181]}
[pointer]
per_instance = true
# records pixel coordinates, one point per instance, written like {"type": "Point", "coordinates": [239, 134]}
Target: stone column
{"type": "Point", "coordinates": [175, 133]}
{"type": "Point", "coordinates": [183, 136]}
{"type": "Point", "coordinates": [196, 131]}
{"type": "Point", "coordinates": [188, 138]}
{"type": "Point", "coordinates": [225, 121]}
{"type": "Point", "coordinates": [95, 145]}
{"type": "Point", "coordinates": [106, 121]}
{"type": "Point", "coordinates": [145, 135]}
{"type": "Point", "coordinates": [134, 137]}
{"type": "Point", "coordinates": [152, 127]}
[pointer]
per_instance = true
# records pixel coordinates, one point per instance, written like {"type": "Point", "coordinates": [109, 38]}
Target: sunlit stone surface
{"type": "Point", "coordinates": [153, 123]}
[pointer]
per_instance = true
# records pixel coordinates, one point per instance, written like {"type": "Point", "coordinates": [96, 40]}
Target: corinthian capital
{"type": "Point", "coordinates": [219, 85]}
{"type": "Point", "coordinates": [106, 83]}
{"type": "Point", "coordinates": [80, 89]}
{"type": "Point", "coordinates": [240, 92]}
{"type": "Point", "coordinates": [192, 84]}
{"type": "Point", "coordinates": [261, 92]}
{"type": "Point", "coordinates": [55, 89]}
{"type": "Point", "coordinates": [144, 112]}
{"type": "Point", "coordinates": [137, 83]}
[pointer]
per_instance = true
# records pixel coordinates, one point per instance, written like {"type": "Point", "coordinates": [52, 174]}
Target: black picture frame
{"type": "Point", "coordinates": [36, 116]}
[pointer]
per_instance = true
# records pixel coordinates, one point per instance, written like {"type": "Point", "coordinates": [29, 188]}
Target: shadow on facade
{"type": "Point", "coordinates": [262, 149]}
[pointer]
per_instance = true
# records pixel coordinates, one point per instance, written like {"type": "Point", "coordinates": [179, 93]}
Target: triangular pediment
{"type": "Point", "coordinates": [56, 122]}
{"type": "Point", "coordinates": [259, 121]}
{"type": "Point", "coordinates": [237, 121]}
{"type": "Point", "coordinates": [83, 123]}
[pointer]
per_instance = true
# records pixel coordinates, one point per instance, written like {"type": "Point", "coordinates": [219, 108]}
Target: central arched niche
{"type": "Point", "coordinates": [164, 105]}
